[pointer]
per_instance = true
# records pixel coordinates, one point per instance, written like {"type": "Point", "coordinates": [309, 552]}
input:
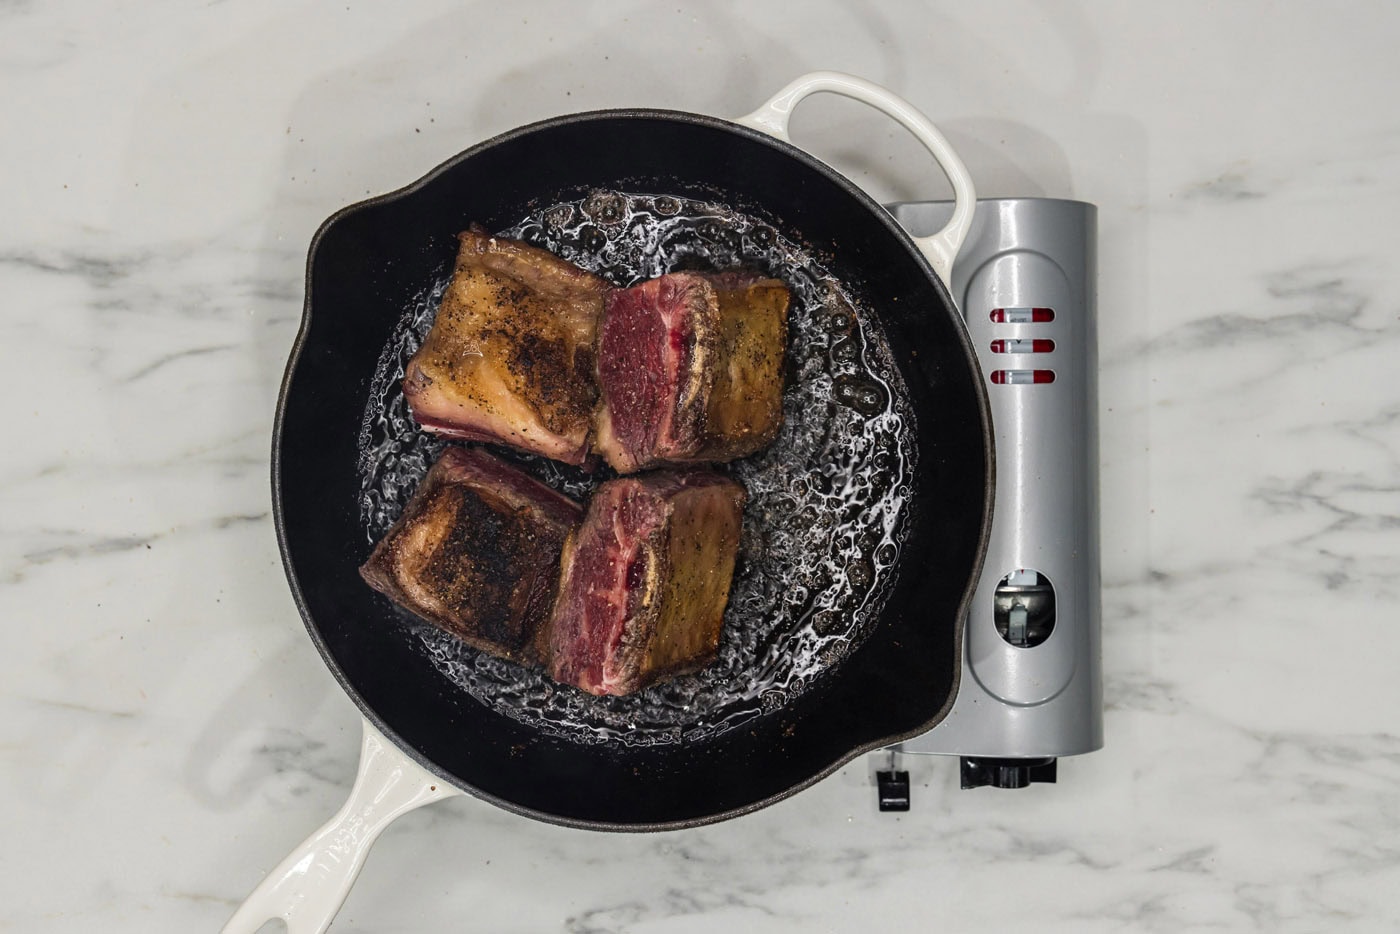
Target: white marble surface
{"type": "Point", "coordinates": [168, 729]}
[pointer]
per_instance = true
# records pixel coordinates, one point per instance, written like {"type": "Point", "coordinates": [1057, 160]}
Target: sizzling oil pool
{"type": "Point", "coordinates": [827, 500]}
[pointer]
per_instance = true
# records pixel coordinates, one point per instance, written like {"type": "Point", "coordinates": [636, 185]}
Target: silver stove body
{"type": "Point", "coordinates": [1031, 685]}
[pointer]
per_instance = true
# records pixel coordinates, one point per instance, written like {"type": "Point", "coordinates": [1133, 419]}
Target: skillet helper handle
{"type": "Point", "coordinates": [309, 886]}
{"type": "Point", "coordinates": [941, 248]}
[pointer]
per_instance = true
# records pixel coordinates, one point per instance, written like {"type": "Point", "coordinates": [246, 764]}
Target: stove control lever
{"type": "Point", "coordinates": [892, 783]}
{"type": "Point", "coordinates": [894, 790]}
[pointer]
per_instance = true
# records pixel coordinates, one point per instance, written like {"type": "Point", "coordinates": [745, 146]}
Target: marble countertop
{"type": "Point", "coordinates": [169, 731]}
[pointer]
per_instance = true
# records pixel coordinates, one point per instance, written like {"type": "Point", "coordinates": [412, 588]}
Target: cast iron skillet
{"type": "Point", "coordinates": [366, 263]}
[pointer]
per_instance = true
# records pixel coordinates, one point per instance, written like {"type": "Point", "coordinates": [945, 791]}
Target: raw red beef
{"type": "Point", "coordinates": [645, 581]}
{"type": "Point", "coordinates": [690, 369]}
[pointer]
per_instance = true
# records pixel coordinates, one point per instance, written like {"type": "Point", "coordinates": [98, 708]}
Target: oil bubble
{"type": "Point", "coordinates": [827, 623]}
{"type": "Point", "coordinates": [845, 350]}
{"type": "Point", "coordinates": [592, 239]}
{"type": "Point", "coordinates": [860, 574]}
{"type": "Point", "coordinates": [605, 207]}
{"type": "Point", "coordinates": [863, 395]}
{"type": "Point", "coordinates": [559, 216]}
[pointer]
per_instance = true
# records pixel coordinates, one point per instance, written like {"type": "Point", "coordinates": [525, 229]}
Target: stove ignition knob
{"type": "Point", "coordinates": [1024, 611]}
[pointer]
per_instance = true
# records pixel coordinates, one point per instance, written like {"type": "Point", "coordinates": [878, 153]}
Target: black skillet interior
{"type": "Point", "coordinates": [369, 260]}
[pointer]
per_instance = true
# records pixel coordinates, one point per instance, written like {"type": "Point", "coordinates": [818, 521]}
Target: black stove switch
{"type": "Point", "coordinates": [894, 790]}
{"type": "Point", "coordinates": [978, 771]}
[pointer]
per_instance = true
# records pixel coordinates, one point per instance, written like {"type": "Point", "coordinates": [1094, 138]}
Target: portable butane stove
{"type": "Point", "coordinates": [1031, 686]}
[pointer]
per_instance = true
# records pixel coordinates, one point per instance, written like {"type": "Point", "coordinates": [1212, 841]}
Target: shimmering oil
{"type": "Point", "coordinates": [827, 501]}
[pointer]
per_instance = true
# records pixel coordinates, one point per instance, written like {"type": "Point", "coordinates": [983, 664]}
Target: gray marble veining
{"type": "Point", "coordinates": [167, 731]}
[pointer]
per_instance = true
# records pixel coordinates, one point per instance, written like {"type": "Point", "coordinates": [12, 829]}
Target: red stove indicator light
{"type": "Point", "coordinates": [1014, 345]}
{"type": "Point", "coordinates": [1023, 315]}
{"type": "Point", "coordinates": [1022, 377]}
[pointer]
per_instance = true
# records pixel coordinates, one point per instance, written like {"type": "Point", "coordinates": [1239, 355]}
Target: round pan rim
{"type": "Point", "coordinates": [299, 345]}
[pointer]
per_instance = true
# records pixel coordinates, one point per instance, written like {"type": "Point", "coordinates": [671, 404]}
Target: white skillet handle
{"type": "Point", "coordinates": [309, 886]}
{"type": "Point", "coordinates": [941, 248]}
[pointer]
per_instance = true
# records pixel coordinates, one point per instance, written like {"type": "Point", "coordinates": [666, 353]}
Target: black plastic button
{"type": "Point", "coordinates": [894, 790]}
{"type": "Point", "coordinates": [978, 771]}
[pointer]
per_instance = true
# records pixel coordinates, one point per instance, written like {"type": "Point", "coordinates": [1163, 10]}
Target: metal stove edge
{"type": "Point", "coordinates": [1031, 689]}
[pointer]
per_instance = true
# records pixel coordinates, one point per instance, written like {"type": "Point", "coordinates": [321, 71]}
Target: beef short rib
{"type": "Point", "coordinates": [509, 358]}
{"type": "Point", "coordinates": [645, 581]}
{"type": "Point", "coordinates": [476, 552]}
{"type": "Point", "coordinates": [690, 369]}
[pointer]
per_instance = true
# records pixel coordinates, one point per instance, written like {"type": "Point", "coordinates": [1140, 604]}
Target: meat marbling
{"type": "Point", "coordinates": [690, 369]}
{"type": "Point", "coordinates": [509, 358]}
{"type": "Point", "coordinates": [645, 580]}
{"type": "Point", "coordinates": [476, 552]}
